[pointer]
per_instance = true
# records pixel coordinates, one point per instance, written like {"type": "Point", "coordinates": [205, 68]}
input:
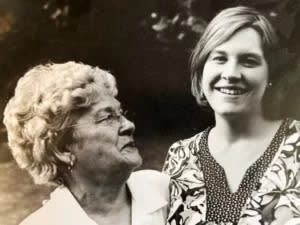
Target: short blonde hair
{"type": "Point", "coordinates": [222, 28]}
{"type": "Point", "coordinates": [40, 112]}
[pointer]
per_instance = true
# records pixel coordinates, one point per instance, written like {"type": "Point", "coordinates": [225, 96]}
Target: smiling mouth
{"type": "Point", "coordinates": [232, 90]}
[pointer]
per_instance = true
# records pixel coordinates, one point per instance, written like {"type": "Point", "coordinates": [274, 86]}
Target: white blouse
{"type": "Point", "coordinates": [150, 198]}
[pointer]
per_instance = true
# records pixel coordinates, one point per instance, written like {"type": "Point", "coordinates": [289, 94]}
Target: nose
{"type": "Point", "coordinates": [231, 72]}
{"type": "Point", "coordinates": [127, 127]}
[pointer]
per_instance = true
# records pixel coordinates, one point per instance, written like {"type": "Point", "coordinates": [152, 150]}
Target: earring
{"type": "Point", "coordinates": [70, 168]}
{"type": "Point", "coordinates": [270, 84]}
{"type": "Point", "coordinates": [71, 165]}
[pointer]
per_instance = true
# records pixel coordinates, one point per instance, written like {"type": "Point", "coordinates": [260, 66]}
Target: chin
{"type": "Point", "coordinates": [138, 161]}
{"type": "Point", "coordinates": [133, 158]}
{"type": "Point", "coordinates": [230, 108]}
{"type": "Point", "coordinates": [227, 110]}
{"type": "Point", "coordinates": [230, 112]}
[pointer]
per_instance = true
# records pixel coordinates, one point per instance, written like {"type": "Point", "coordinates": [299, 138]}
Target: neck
{"type": "Point", "coordinates": [99, 196]}
{"type": "Point", "coordinates": [233, 128]}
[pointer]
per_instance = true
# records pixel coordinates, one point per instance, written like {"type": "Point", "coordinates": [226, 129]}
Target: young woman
{"type": "Point", "coordinates": [245, 168]}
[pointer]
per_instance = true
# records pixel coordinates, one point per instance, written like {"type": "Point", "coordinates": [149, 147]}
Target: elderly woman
{"type": "Point", "coordinates": [65, 127]}
{"type": "Point", "coordinates": [245, 168]}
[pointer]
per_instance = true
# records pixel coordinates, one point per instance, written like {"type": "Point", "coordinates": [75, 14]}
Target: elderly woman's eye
{"type": "Point", "coordinates": [103, 118]}
{"type": "Point", "coordinates": [110, 117]}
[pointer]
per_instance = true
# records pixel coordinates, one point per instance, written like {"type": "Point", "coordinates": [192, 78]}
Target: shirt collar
{"type": "Point", "coordinates": [63, 201]}
{"type": "Point", "coordinates": [145, 199]}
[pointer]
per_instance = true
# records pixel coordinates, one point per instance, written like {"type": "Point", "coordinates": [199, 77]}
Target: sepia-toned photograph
{"type": "Point", "coordinates": [150, 112]}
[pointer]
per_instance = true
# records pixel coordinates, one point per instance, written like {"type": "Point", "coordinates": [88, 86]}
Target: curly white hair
{"type": "Point", "coordinates": [42, 109]}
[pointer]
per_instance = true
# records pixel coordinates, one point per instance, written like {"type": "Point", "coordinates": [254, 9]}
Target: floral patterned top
{"type": "Point", "coordinates": [273, 200]}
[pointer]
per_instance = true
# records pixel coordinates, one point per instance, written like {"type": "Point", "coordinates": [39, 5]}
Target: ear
{"type": "Point", "coordinates": [66, 157]}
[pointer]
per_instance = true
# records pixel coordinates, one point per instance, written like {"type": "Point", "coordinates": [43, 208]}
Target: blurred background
{"type": "Point", "coordinates": [146, 45]}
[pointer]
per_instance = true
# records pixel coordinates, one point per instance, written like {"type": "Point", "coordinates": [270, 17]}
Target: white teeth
{"type": "Point", "coordinates": [230, 91]}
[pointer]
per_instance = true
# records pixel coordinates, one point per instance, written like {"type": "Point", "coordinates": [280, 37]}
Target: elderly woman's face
{"type": "Point", "coordinates": [235, 75]}
{"type": "Point", "coordinates": [105, 139]}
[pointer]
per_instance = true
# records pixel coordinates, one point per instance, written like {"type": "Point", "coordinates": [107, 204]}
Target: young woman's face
{"type": "Point", "coordinates": [235, 75]}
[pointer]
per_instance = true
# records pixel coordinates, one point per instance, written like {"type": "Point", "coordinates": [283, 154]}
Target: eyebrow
{"type": "Point", "coordinates": [218, 52]}
{"type": "Point", "coordinates": [252, 54]}
{"type": "Point", "coordinates": [246, 53]}
{"type": "Point", "coordinates": [107, 109]}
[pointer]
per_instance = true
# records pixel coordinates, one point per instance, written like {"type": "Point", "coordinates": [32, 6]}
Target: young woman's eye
{"type": "Point", "coordinates": [219, 59]}
{"type": "Point", "coordinates": [250, 62]}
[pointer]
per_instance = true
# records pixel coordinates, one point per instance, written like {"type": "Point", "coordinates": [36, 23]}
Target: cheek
{"type": "Point", "coordinates": [96, 136]}
{"type": "Point", "coordinates": [267, 75]}
{"type": "Point", "coordinates": [209, 74]}
{"type": "Point", "coordinates": [260, 78]}
{"type": "Point", "coordinates": [205, 72]}
{"type": "Point", "coordinates": [205, 81]}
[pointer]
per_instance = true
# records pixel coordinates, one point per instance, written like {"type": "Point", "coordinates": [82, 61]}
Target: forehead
{"type": "Point", "coordinates": [245, 40]}
{"type": "Point", "coordinates": [106, 103]}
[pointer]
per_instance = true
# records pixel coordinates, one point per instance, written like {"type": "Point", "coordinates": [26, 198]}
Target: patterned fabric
{"type": "Point", "coordinates": [222, 204]}
{"type": "Point", "coordinates": [275, 201]}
